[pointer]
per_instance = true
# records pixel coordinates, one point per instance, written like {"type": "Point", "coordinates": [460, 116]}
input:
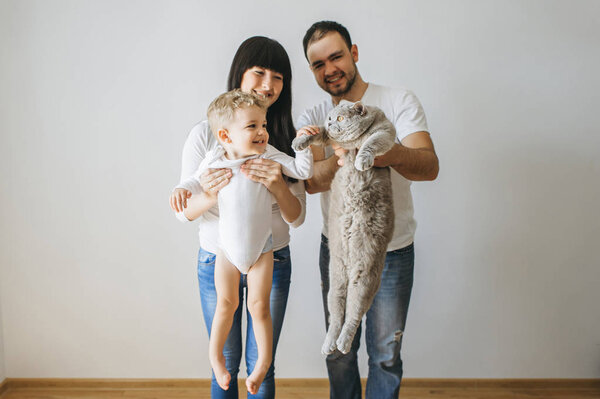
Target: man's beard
{"type": "Point", "coordinates": [342, 90]}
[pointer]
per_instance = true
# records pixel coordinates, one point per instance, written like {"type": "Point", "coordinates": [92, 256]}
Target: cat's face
{"type": "Point", "coordinates": [348, 121]}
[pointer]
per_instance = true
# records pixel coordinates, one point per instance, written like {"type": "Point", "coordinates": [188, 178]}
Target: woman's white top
{"type": "Point", "coordinates": [199, 143]}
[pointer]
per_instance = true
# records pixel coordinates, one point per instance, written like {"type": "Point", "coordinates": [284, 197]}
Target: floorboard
{"type": "Point", "coordinates": [309, 389]}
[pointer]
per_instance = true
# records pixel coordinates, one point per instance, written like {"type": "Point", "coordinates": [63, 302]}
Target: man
{"type": "Point", "coordinates": [332, 58]}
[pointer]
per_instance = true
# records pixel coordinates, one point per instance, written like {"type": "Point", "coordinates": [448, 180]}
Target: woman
{"type": "Point", "coordinates": [261, 65]}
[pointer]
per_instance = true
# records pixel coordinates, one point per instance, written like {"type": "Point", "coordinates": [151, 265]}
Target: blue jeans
{"type": "Point", "coordinates": [386, 319]}
{"type": "Point", "coordinates": [282, 270]}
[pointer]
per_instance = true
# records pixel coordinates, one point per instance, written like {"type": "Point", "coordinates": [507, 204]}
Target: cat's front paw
{"type": "Point", "coordinates": [364, 161]}
{"type": "Point", "coordinates": [301, 142]}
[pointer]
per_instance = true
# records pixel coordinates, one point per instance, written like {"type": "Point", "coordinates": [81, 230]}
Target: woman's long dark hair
{"type": "Point", "coordinates": [267, 53]}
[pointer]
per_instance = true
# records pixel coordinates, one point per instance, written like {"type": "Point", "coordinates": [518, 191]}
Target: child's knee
{"type": "Point", "coordinates": [260, 309]}
{"type": "Point", "coordinates": [227, 305]}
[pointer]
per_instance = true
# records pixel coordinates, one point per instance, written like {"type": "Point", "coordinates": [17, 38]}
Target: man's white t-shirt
{"type": "Point", "coordinates": [404, 110]}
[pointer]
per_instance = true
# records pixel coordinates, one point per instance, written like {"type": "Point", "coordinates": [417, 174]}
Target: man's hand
{"type": "Point", "coordinates": [381, 161]}
{"type": "Point", "coordinates": [340, 152]}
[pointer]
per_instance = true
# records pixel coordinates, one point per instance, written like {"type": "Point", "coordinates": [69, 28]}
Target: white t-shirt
{"type": "Point", "coordinates": [404, 110]}
{"type": "Point", "coordinates": [199, 142]}
{"type": "Point", "coordinates": [245, 205]}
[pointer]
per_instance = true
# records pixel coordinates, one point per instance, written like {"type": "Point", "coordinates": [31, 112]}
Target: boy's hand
{"type": "Point", "coordinates": [310, 130]}
{"type": "Point", "coordinates": [214, 180]}
{"type": "Point", "coordinates": [178, 199]}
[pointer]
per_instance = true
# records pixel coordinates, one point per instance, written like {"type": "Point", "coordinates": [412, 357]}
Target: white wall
{"type": "Point", "coordinates": [2, 368]}
{"type": "Point", "coordinates": [98, 278]}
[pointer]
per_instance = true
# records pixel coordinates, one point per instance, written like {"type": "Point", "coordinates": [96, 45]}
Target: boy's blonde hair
{"type": "Point", "coordinates": [221, 111]}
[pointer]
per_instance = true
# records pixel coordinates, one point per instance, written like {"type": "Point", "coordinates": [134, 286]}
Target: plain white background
{"type": "Point", "coordinates": [97, 278]}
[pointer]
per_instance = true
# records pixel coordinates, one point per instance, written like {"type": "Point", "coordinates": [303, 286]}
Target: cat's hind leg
{"type": "Point", "coordinates": [361, 291]}
{"type": "Point", "coordinates": [336, 303]}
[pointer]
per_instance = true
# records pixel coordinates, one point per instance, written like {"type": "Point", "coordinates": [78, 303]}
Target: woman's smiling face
{"type": "Point", "coordinates": [264, 82]}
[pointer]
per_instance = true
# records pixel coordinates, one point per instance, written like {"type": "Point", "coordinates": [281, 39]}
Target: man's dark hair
{"type": "Point", "coordinates": [320, 29]}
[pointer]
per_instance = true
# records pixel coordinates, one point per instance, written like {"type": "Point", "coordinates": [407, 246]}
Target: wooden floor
{"type": "Point", "coordinates": [315, 389]}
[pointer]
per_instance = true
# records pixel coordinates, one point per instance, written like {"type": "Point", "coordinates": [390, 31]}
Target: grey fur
{"type": "Point", "coordinates": [361, 216]}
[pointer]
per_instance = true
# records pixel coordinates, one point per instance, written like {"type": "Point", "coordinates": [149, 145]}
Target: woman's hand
{"type": "Point", "coordinates": [268, 172]}
{"type": "Point", "coordinates": [178, 199]}
{"type": "Point", "coordinates": [265, 171]}
{"type": "Point", "coordinates": [213, 180]}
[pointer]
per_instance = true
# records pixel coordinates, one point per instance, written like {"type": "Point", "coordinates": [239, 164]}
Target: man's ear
{"type": "Point", "coordinates": [223, 136]}
{"type": "Point", "coordinates": [354, 52]}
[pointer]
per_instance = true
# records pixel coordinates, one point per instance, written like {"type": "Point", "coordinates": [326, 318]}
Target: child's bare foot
{"type": "Point", "coordinates": [221, 374]}
{"type": "Point", "coordinates": [255, 379]}
{"type": "Point", "coordinates": [223, 380]}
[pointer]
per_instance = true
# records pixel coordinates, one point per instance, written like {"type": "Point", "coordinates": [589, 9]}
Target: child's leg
{"type": "Point", "coordinates": [260, 279]}
{"type": "Point", "coordinates": [227, 280]}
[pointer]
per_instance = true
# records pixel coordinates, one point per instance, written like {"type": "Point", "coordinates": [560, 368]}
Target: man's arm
{"type": "Point", "coordinates": [414, 158]}
{"type": "Point", "coordinates": [323, 171]}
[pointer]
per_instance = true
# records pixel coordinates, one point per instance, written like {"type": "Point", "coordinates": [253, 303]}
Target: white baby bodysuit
{"type": "Point", "coordinates": [245, 205]}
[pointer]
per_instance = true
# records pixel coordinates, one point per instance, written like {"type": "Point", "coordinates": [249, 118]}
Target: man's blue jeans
{"type": "Point", "coordinates": [385, 326]}
{"type": "Point", "coordinates": [282, 270]}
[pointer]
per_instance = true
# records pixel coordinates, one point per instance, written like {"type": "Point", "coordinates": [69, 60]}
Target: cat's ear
{"type": "Point", "coordinates": [360, 108]}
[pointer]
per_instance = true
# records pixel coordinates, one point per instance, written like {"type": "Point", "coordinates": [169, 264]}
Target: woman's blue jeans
{"type": "Point", "coordinates": [282, 270]}
{"type": "Point", "coordinates": [386, 319]}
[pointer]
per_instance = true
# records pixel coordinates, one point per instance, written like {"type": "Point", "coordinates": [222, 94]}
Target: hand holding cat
{"type": "Point", "coordinates": [390, 158]}
{"type": "Point", "coordinates": [340, 152]}
{"type": "Point", "coordinates": [310, 130]}
{"type": "Point", "coordinates": [387, 159]}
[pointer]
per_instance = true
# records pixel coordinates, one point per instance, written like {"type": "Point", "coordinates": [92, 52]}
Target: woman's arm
{"type": "Point", "coordinates": [289, 205]}
{"type": "Point", "coordinates": [212, 181]}
{"type": "Point", "coordinates": [299, 191]}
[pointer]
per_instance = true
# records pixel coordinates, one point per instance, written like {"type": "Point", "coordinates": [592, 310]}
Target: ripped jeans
{"type": "Point", "coordinates": [385, 323]}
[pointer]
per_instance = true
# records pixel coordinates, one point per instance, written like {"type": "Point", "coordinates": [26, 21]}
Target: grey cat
{"type": "Point", "coordinates": [361, 215]}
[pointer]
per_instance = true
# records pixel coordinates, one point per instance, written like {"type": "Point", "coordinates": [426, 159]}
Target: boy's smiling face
{"type": "Point", "coordinates": [246, 134]}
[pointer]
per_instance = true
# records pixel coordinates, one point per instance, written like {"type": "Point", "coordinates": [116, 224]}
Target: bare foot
{"type": "Point", "coordinates": [223, 380]}
{"type": "Point", "coordinates": [256, 378]}
{"type": "Point", "coordinates": [221, 374]}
